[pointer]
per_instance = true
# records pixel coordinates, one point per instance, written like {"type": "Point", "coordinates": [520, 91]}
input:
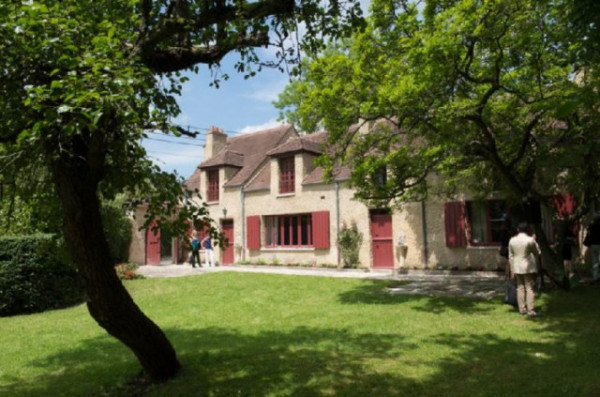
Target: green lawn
{"type": "Point", "coordinates": [270, 335]}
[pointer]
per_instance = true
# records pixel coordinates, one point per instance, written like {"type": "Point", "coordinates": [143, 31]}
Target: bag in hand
{"type": "Point", "coordinates": [511, 294]}
{"type": "Point", "coordinates": [503, 251]}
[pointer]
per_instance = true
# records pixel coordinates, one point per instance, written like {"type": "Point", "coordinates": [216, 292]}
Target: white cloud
{"type": "Point", "coordinates": [175, 157]}
{"type": "Point", "coordinates": [269, 92]}
{"type": "Point", "coordinates": [253, 128]}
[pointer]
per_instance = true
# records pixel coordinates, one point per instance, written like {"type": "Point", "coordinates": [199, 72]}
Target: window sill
{"type": "Point", "coordinates": [290, 194]}
{"type": "Point", "coordinates": [288, 249]}
{"type": "Point", "coordinates": [482, 247]}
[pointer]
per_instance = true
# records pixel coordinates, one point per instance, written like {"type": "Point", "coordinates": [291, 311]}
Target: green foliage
{"type": "Point", "coordinates": [494, 98]}
{"type": "Point", "coordinates": [350, 240]}
{"type": "Point", "coordinates": [82, 81]}
{"type": "Point", "coordinates": [497, 97]}
{"type": "Point", "coordinates": [32, 276]}
{"type": "Point", "coordinates": [27, 210]}
{"type": "Point", "coordinates": [78, 82]}
{"type": "Point", "coordinates": [15, 217]}
{"type": "Point", "coordinates": [117, 227]}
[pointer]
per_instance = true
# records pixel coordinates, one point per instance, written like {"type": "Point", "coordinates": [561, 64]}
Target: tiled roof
{"type": "Point", "coordinates": [248, 152]}
{"type": "Point", "coordinates": [262, 181]}
{"type": "Point", "coordinates": [308, 143]}
{"type": "Point", "coordinates": [193, 182]}
{"type": "Point", "coordinates": [224, 157]}
{"type": "Point", "coordinates": [318, 174]}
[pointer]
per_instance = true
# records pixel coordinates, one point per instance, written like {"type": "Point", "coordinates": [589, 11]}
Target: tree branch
{"type": "Point", "coordinates": [525, 142]}
{"type": "Point", "coordinates": [173, 59]}
{"type": "Point", "coordinates": [179, 129]}
{"type": "Point", "coordinates": [163, 42]}
{"type": "Point", "coordinates": [146, 7]}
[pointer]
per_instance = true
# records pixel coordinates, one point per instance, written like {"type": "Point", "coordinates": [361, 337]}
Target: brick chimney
{"type": "Point", "coordinates": [216, 140]}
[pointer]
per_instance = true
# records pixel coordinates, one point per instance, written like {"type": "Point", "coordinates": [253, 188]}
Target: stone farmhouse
{"type": "Point", "coordinates": [270, 200]}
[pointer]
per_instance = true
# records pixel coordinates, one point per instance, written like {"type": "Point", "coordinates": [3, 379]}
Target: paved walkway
{"type": "Point", "coordinates": [486, 285]}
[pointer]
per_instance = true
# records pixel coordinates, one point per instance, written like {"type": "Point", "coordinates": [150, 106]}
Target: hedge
{"type": "Point", "coordinates": [33, 278]}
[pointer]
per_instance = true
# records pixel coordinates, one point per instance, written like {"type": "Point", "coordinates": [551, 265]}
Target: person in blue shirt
{"type": "Point", "coordinates": [209, 255]}
{"type": "Point", "coordinates": [195, 244]}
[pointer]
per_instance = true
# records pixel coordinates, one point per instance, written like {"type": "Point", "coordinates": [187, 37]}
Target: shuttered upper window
{"type": "Point", "coordinates": [286, 175]}
{"type": "Point", "coordinates": [212, 193]}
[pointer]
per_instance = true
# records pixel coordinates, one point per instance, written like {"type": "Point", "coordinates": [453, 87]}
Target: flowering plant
{"type": "Point", "coordinates": [127, 271]}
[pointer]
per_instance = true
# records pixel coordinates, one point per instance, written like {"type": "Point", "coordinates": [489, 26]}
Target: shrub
{"type": "Point", "coordinates": [350, 240]}
{"type": "Point", "coordinates": [117, 227]}
{"type": "Point", "coordinates": [33, 278]}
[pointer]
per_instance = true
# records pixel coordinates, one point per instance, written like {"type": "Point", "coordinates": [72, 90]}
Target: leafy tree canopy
{"type": "Point", "coordinates": [80, 83]}
{"type": "Point", "coordinates": [498, 97]}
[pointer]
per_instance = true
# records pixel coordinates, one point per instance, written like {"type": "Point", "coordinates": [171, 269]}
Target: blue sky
{"type": "Point", "coordinates": [238, 106]}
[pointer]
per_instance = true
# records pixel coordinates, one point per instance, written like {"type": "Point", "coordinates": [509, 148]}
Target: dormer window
{"type": "Point", "coordinates": [286, 175]}
{"type": "Point", "coordinates": [212, 193]}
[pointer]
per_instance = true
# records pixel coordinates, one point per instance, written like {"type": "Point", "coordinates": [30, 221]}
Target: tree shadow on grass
{"type": "Point", "coordinates": [221, 362]}
{"type": "Point", "coordinates": [557, 357]}
{"type": "Point", "coordinates": [79, 371]}
{"type": "Point", "coordinates": [377, 292]}
{"type": "Point", "coordinates": [559, 360]}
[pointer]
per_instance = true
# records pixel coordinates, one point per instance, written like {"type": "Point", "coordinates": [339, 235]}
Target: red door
{"type": "Point", "coordinates": [227, 226]}
{"type": "Point", "coordinates": [152, 246]}
{"type": "Point", "coordinates": [382, 239]}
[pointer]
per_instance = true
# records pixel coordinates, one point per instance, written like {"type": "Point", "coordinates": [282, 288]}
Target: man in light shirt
{"type": "Point", "coordinates": [524, 255]}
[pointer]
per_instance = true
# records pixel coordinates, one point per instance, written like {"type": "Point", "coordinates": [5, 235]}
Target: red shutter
{"type": "Point", "coordinates": [565, 204]}
{"type": "Point", "coordinates": [253, 232]}
{"type": "Point", "coordinates": [454, 217]}
{"type": "Point", "coordinates": [320, 225]}
{"type": "Point", "coordinates": [153, 244]}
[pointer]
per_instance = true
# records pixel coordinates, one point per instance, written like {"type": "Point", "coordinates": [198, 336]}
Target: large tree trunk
{"type": "Point", "coordinates": [108, 301]}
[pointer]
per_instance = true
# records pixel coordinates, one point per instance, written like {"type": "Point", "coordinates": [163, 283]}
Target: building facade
{"type": "Point", "coordinates": [270, 199]}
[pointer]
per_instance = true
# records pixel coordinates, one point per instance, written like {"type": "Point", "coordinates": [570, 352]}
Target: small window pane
{"type": "Point", "coordinates": [269, 230]}
{"type": "Point", "coordinates": [304, 229]}
{"type": "Point", "coordinates": [478, 215]}
{"type": "Point", "coordinates": [294, 228]}
{"type": "Point", "coordinates": [498, 215]}
{"type": "Point", "coordinates": [286, 231]}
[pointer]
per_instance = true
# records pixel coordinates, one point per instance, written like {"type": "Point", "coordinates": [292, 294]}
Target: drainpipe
{"type": "Point", "coordinates": [337, 220]}
{"type": "Point", "coordinates": [425, 252]}
{"type": "Point", "coordinates": [243, 245]}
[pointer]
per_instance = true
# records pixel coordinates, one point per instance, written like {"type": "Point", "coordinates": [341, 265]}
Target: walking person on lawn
{"type": "Point", "coordinates": [524, 255]}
